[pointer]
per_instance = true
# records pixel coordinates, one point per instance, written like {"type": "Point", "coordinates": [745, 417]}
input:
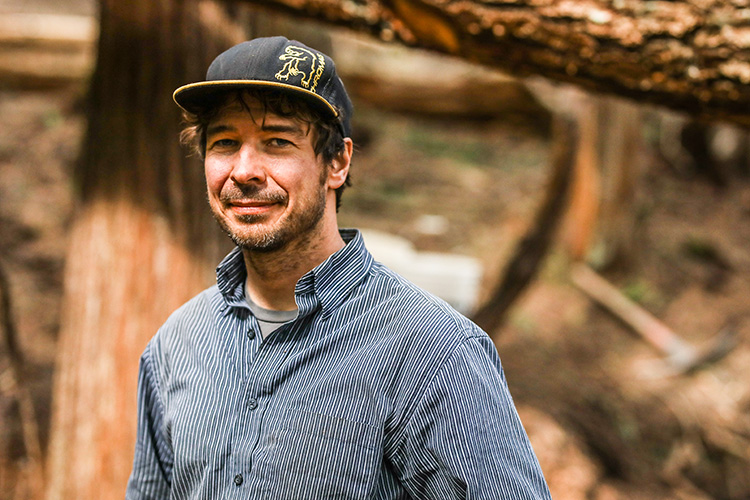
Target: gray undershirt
{"type": "Point", "coordinates": [269, 319]}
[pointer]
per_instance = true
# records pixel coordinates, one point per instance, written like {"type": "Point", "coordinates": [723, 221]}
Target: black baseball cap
{"type": "Point", "coordinates": [275, 63]}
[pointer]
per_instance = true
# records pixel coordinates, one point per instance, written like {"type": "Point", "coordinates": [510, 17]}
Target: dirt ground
{"type": "Point", "coordinates": [605, 420]}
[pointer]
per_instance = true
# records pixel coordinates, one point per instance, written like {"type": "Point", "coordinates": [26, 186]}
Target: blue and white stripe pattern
{"type": "Point", "coordinates": [377, 390]}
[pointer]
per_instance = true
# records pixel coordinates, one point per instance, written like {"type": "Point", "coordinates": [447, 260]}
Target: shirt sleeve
{"type": "Point", "coordinates": [152, 466]}
{"type": "Point", "coordinates": [464, 439]}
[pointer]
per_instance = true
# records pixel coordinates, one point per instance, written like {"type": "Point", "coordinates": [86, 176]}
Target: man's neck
{"type": "Point", "coordinates": [272, 276]}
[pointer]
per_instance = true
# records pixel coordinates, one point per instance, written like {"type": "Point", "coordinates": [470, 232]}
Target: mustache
{"type": "Point", "coordinates": [236, 193]}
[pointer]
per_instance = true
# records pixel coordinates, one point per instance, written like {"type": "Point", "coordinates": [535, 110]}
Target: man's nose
{"type": "Point", "coordinates": [249, 167]}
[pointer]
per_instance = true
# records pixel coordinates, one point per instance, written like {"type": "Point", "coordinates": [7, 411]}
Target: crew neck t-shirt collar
{"type": "Point", "coordinates": [269, 319]}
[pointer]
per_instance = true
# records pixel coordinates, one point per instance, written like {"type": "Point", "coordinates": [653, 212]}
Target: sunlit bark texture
{"type": "Point", "coordinates": [692, 55]}
{"type": "Point", "coordinates": [142, 241]}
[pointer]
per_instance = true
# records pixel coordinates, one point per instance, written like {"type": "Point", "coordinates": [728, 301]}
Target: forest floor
{"type": "Point", "coordinates": [605, 420]}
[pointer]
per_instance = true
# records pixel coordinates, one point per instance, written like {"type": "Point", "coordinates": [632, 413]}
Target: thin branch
{"type": "Point", "coordinates": [534, 246]}
{"type": "Point", "coordinates": [13, 384]}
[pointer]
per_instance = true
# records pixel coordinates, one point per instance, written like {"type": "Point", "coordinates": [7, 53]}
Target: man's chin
{"type": "Point", "coordinates": [247, 232]}
{"type": "Point", "coordinates": [257, 241]}
{"type": "Point", "coordinates": [260, 245]}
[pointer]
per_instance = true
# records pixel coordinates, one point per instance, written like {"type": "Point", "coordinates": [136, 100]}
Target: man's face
{"type": "Point", "coordinates": [266, 185]}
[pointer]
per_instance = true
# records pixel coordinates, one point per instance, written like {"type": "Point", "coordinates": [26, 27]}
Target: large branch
{"type": "Point", "coordinates": [690, 55]}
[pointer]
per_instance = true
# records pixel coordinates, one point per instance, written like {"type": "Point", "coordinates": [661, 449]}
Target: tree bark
{"type": "Point", "coordinates": [691, 55]}
{"type": "Point", "coordinates": [142, 240]}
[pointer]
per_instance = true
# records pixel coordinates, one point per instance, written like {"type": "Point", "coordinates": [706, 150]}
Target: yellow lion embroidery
{"type": "Point", "coordinates": [292, 58]}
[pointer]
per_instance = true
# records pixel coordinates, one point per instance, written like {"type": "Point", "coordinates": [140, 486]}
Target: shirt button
{"type": "Point", "coordinates": [252, 403]}
{"type": "Point", "coordinates": [238, 479]}
{"type": "Point", "coordinates": [251, 334]}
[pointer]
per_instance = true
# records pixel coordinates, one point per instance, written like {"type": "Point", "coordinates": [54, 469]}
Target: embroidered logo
{"type": "Point", "coordinates": [303, 63]}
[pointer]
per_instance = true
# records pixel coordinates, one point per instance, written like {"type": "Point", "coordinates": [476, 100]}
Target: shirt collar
{"type": "Point", "coordinates": [230, 278]}
{"type": "Point", "coordinates": [331, 281]}
{"type": "Point", "coordinates": [327, 285]}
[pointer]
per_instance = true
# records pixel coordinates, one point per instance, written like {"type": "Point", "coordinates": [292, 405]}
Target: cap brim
{"type": "Point", "coordinates": [190, 97]}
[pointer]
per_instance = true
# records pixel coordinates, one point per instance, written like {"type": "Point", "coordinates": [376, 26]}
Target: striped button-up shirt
{"type": "Point", "coordinates": [377, 390]}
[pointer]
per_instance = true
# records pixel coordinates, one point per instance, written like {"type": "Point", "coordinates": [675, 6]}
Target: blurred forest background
{"type": "Point", "coordinates": [592, 208]}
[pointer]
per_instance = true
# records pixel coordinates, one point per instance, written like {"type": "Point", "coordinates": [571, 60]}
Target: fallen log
{"type": "Point", "coordinates": [686, 55]}
{"type": "Point", "coordinates": [40, 51]}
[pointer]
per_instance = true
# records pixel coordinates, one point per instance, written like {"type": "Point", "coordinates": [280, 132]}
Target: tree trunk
{"type": "Point", "coordinates": [142, 241]}
{"type": "Point", "coordinates": [622, 161]}
{"type": "Point", "coordinates": [583, 209]}
{"type": "Point", "coordinates": [687, 54]}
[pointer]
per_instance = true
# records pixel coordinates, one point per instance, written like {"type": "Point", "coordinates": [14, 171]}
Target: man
{"type": "Point", "coordinates": [310, 371]}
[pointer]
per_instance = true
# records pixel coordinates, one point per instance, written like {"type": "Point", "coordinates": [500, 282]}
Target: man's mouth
{"type": "Point", "coordinates": [250, 207]}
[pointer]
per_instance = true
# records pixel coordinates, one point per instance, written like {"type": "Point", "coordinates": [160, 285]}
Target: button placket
{"type": "Point", "coordinates": [258, 384]}
{"type": "Point", "coordinates": [247, 345]}
{"type": "Point", "coordinates": [253, 342]}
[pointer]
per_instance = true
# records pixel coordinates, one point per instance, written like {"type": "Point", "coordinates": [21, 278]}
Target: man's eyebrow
{"type": "Point", "coordinates": [217, 129]}
{"type": "Point", "coordinates": [284, 128]}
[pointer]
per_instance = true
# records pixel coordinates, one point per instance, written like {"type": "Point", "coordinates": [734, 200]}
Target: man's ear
{"type": "Point", "coordinates": [339, 169]}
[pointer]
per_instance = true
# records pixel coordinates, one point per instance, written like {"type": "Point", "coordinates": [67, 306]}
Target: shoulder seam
{"type": "Point", "coordinates": [461, 343]}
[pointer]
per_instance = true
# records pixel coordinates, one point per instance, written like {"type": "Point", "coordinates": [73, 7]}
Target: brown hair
{"type": "Point", "coordinates": [328, 140]}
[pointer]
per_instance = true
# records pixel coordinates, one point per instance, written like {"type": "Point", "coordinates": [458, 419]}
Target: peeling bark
{"type": "Point", "coordinates": [690, 55]}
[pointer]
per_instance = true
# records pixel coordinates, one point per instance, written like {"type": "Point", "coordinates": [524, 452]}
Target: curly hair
{"type": "Point", "coordinates": [328, 140]}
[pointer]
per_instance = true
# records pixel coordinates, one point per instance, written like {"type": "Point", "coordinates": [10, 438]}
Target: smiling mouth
{"type": "Point", "coordinates": [251, 204]}
{"type": "Point", "coordinates": [250, 207]}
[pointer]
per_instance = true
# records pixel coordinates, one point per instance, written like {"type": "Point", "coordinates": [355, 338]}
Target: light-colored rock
{"type": "Point", "coordinates": [454, 278]}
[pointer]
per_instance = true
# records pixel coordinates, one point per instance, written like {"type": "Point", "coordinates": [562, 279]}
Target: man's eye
{"type": "Point", "coordinates": [279, 143]}
{"type": "Point", "coordinates": [223, 143]}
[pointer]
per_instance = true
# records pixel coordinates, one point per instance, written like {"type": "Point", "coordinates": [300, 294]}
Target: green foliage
{"type": "Point", "coordinates": [701, 249]}
{"type": "Point", "coordinates": [643, 292]}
